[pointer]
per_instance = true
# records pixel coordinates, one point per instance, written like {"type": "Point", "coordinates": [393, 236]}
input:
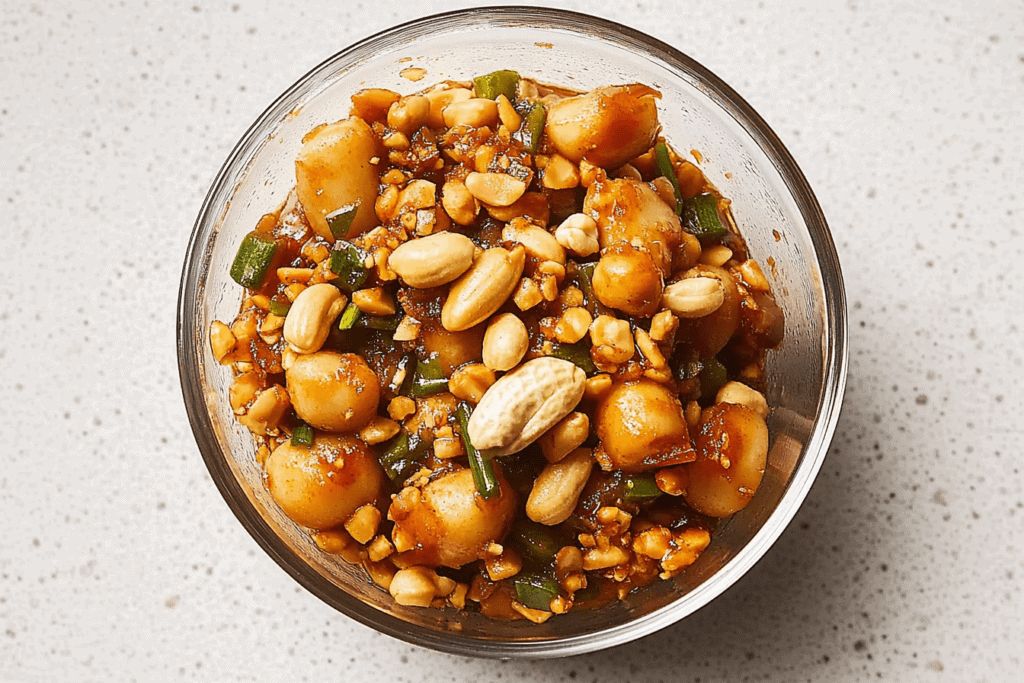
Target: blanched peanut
{"type": "Point", "coordinates": [267, 410]}
{"type": "Point", "coordinates": [418, 194]}
{"type": "Point", "coordinates": [603, 558]}
{"type": "Point", "coordinates": [510, 118]}
{"type": "Point", "coordinates": [320, 486]}
{"type": "Point", "coordinates": [573, 325]}
{"type": "Point", "coordinates": [333, 170]}
{"type": "Point", "coordinates": [663, 324]}
{"type": "Point", "coordinates": [446, 443]}
{"type": "Point", "coordinates": [333, 391]}
{"type": "Point", "coordinates": [694, 297]}
{"type": "Point", "coordinates": [538, 242]}
{"type": "Point", "coordinates": [447, 521]}
{"type": "Point", "coordinates": [470, 382]}
{"type": "Point", "coordinates": [752, 276]}
{"type": "Point", "coordinates": [408, 329]}
{"type": "Point", "coordinates": [379, 549]}
{"type": "Point", "coordinates": [716, 255]}
{"type": "Point", "coordinates": [409, 114]}
{"type": "Point", "coordinates": [641, 427]}
{"type": "Point", "coordinates": [439, 99]}
{"type": "Point", "coordinates": [732, 449]}
{"type": "Point", "coordinates": [566, 436]}
{"type": "Point", "coordinates": [475, 112]}
{"type": "Point", "coordinates": [606, 126]}
{"type": "Point", "coordinates": [222, 340]}
{"type": "Point", "coordinates": [650, 350]}
{"type": "Point", "coordinates": [558, 487]}
{"type": "Point", "coordinates": [363, 523]}
{"type": "Point", "coordinates": [560, 173]}
{"type": "Point", "coordinates": [578, 234]}
{"type": "Point", "coordinates": [483, 288]}
{"type": "Point", "coordinates": [528, 294]}
{"type": "Point", "coordinates": [243, 389]}
{"type": "Point", "coordinates": [459, 203]}
{"type": "Point", "coordinates": [597, 387]}
{"type": "Point", "coordinates": [505, 342]}
{"type": "Point", "coordinates": [739, 393]}
{"type": "Point", "coordinates": [503, 566]}
{"type": "Point", "coordinates": [414, 586]}
{"type": "Point", "coordinates": [310, 317]}
{"type": "Point", "coordinates": [611, 339]}
{"type": "Point", "coordinates": [495, 189]}
{"type": "Point", "coordinates": [401, 407]}
{"type": "Point", "coordinates": [433, 260]}
{"type": "Point", "coordinates": [378, 430]}
{"type": "Point", "coordinates": [626, 279]}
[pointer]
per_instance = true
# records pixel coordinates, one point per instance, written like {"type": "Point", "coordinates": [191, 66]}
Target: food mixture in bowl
{"type": "Point", "coordinates": [503, 347]}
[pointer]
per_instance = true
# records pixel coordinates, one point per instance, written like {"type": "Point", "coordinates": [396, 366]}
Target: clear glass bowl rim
{"type": "Point", "coordinates": [835, 352]}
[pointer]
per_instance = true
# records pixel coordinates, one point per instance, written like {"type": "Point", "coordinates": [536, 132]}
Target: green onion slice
{"type": "Point", "coordinates": [578, 354]}
{"type": "Point", "coordinates": [252, 261]}
{"type": "Point", "coordinates": [640, 488]}
{"type": "Point", "coordinates": [483, 470]}
{"type": "Point", "coordinates": [348, 263]}
{"type": "Point", "coordinates": [401, 454]}
{"type": "Point", "coordinates": [666, 169]}
{"type": "Point", "coordinates": [496, 83]}
{"type": "Point", "coordinates": [302, 435]}
{"type": "Point", "coordinates": [533, 127]}
{"type": "Point", "coordinates": [536, 542]}
{"type": "Point", "coordinates": [349, 317]}
{"type": "Point", "coordinates": [700, 218]}
{"type": "Point", "coordinates": [536, 591]}
{"type": "Point", "coordinates": [280, 308]}
{"type": "Point", "coordinates": [429, 379]}
{"type": "Point", "coordinates": [340, 221]}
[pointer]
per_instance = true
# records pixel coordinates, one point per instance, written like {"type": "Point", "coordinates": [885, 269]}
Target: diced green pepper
{"type": "Point", "coordinates": [585, 279]}
{"type": "Point", "coordinates": [700, 218]}
{"type": "Point", "coordinates": [340, 221]}
{"type": "Point", "coordinates": [348, 263]}
{"type": "Point", "coordinates": [536, 542]}
{"type": "Point", "coordinates": [536, 591]}
{"type": "Point", "coordinates": [666, 169]}
{"type": "Point", "coordinates": [302, 435]}
{"type": "Point", "coordinates": [712, 376]}
{"type": "Point", "coordinates": [640, 488]}
{"type": "Point", "coordinates": [491, 85]}
{"type": "Point", "coordinates": [252, 261]}
{"type": "Point", "coordinates": [280, 308]}
{"type": "Point", "coordinates": [578, 354]}
{"type": "Point", "coordinates": [349, 317]}
{"type": "Point", "coordinates": [483, 470]}
{"type": "Point", "coordinates": [385, 323]}
{"type": "Point", "coordinates": [533, 127]}
{"type": "Point", "coordinates": [428, 379]}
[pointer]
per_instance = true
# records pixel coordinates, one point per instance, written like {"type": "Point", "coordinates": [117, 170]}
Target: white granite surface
{"type": "Point", "coordinates": [119, 559]}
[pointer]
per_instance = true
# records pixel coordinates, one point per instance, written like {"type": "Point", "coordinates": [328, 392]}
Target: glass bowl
{"type": "Point", "coordinates": [771, 201]}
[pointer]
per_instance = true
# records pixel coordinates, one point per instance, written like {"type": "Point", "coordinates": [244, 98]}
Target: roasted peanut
{"type": "Point", "coordinates": [560, 173]}
{"type": "Point", "coordinates": [694, 297]}
{"type": "Point", "coordinates": [267, 410]}
{"type": "Point", "coordinates": [310, 317]}
{"type": "Point", "coordinates": [538, 242]}
{"type": "Point", "coordinates": [483, 288]}
{"type": "Point", "coordinates": [409, 114]}
{"type": "Point", "coordinates": [611, 339]}
{"type": "Point", "coordinates": [558, 487]}
{"type": "Point", "coordinates": [578, 234]}
{"type": "Point", "coordinates": [433, 260]}
{"type": "Point", "coordinates": [375, 301]}
{"type": "Point", "coordinates": [222, 340]}
{"type": "Point", "coordinates": [475, 112]}
{"type": "Point", "coordinates": [737, 392]}
{"type": "Point", "coordinates": [471, 381]}
{"type": "Point", "coordinates": [566, 436]}
{"type": "Point", "coordinates": [459, 203]}
{"type": "Point", "coordinates": [441, 98]}
{"type": "Point", "coordinates": [505, 342]}
{"type": "Point", "coordinates": [510, 118]}
{"type": "Point", "coordinates": [573, 325]}
{"type": "Point", "coordinates": [495, 189]}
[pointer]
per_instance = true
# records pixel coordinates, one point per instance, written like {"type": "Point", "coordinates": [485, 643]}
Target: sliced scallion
{"type": "Point", "coordinates": [536, 591]}
{"type": "Point", "coordinates": [503, 82]}
{"type": "Point", "coordinates": [640, 488]}
{"type": "Point", "coordinates": [533, 127]}
{"type": "Point", "coordinates": [348, 262]}
{"type": "Point", "coordinates": [428, 379]}
{"type": "Point", "coordinates": [340, 221]}
{"type": "Point", "coordinates": [252, 261]}
{"type": "Point", "coordinates": [666, 169]}
{"type": "Point", "coordinates": [578, 354]}
{"type": "Point", "coordinates": [700, 218]}
{"type": "Point", "coordinates": [483, 470]}
{"type": "Point", "coordinates": [712, 376]}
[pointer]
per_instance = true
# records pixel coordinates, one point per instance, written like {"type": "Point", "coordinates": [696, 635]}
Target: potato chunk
{"type": "Point", "coordinates": [333, 171]}
{"type": "Point", "coordinates": [320, 486]}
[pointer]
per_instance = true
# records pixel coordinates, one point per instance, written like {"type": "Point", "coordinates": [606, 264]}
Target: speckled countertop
{"type": "Point", "coordinates": [120, 560]}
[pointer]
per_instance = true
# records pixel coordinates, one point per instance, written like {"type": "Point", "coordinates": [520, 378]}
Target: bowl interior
{"type": "Point", "coordinates": [772, 205]}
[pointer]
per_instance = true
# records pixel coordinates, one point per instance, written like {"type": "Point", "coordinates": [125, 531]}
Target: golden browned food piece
{"type": "Point", "coordinates": [320, 486]}
{"type": "Point", "coordinates": [642, 427]}
{"type": "Point", "coordinates": [627, 279]}
{"type": "Point", "coordinates": [335, 392]}
{"type": "Point", "coordinates": [333, 171]}
{"type": "Point", "coordinates": [732, 448]}
{"type": "Point", "coordinates": [448, 522]}
{"type": "Point", "coordinates": [709, 334]}
{"type": "Point", "coordinates": [606, 126]}
{"type": "Point", "coordinates": [630, 212]}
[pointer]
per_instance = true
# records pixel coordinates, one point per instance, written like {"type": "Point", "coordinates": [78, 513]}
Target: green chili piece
{"type": "Point", "coordinates": [578, 354]}
{"type": "Point", "coordinates": [252, 261]}
{"type": "Point", "coordinates": [347, 262]}
{"type": "Point", "coordinates": [712, 376]}
{"type": "Point", "coordinates": [491, 85]}
{"type": "Point", "coordinates": [385, 323]}
{"type": "Point", "coordinates": [280, 308]}
{"type": "Point", "coordinates": [428, 379]}
{"type": "Point", "coordinates": [666, 169]}
{"type": "Point", "coordinates": [536, 591]}
{"type": "Point", "coordinates": [640, 488]}
{"type": "Point", "coordinates": [483, 470]}
{"type": "Point", "coordinates": [349, 317]}
{"type": "Point", "coordinates": [533, 127]}
{"type": "Point", "coordinates": [585, 279]}
{"type": "Point", "coordinates": [536, 542]}
{"type": "Point", "coordinates": [340, 221]}
{"type": "Point", "coordinates": [302, 435]}
{"type": "Point", "coordinates": [700, 218]}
